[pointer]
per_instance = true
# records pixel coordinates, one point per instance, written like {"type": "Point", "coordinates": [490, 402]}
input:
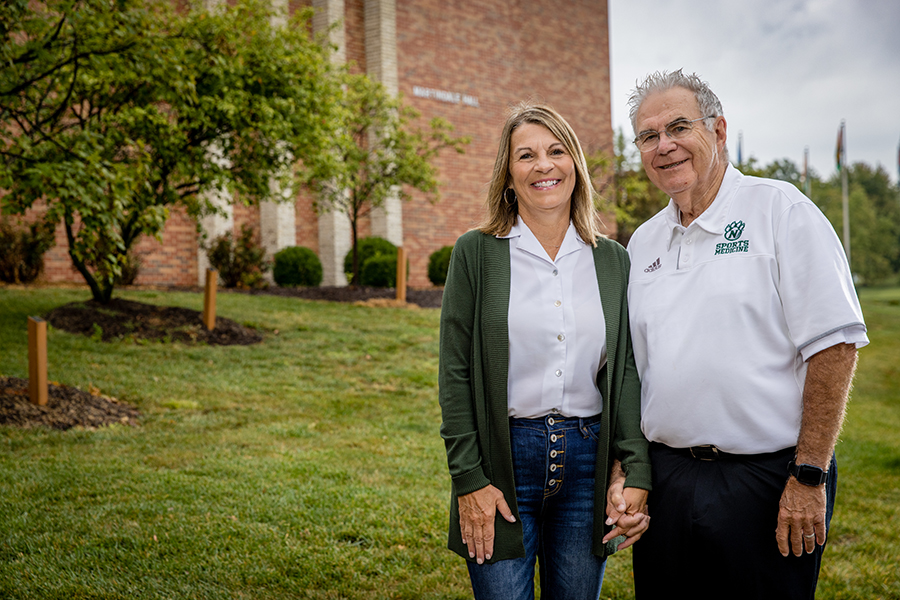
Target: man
{"type": "Point", "coordinates": [745, 325]}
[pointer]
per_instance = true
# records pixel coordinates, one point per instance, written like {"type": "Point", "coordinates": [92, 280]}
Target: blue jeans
{"type": "Point", "coordinates": [554, 460]}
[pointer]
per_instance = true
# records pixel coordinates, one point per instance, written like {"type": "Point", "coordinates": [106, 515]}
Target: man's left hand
{"type": "Point", "coordinates": [801, 518]}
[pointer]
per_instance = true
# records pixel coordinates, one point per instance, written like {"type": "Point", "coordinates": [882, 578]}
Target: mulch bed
{"type": "Point", "coordinates": [127, 319]}
{"type": "Point", "coordinates": [66, 407]}
{"type": "Point", "coordinates": [69, 406]}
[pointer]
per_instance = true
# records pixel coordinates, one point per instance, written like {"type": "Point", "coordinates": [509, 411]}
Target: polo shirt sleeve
{"type": "Point", "coordinates": [821, 307]}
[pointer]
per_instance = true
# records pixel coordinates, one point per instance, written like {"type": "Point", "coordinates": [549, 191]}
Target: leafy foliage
{"type": "Point", "coordinates": [367, 248]}
{"type": "Point", "coordinates": [438, 263]}
{"type": "Point", "coordinates": [874, 206]}
{"type": "Point", "coordinates": [130, 269]}
{"type": "Point", "coordinates": [379, 271]}
{"type": "Point", "coordinates": [377, 154]}
{"type": "Point", "coordinates": [22, 250]}
{"type": "Point", "coordinates": [240, 263]}
{"type": "Point", "coordinates": [381, 252]}
{"type": "Point", "coordinates": [297, 265]}
{"type": "Point", "coordinates": [116, 112]}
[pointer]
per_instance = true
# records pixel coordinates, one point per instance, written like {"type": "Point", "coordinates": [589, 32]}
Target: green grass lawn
{"type": "Point", "coordinates": [310, 466]}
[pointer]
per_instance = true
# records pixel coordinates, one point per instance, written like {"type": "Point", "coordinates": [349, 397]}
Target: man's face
{"type": "Point", "coordinates": [687, 166]}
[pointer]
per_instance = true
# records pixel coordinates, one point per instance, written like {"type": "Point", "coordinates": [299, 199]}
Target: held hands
{"type": "Point", "coordinates": [626, 508]}
{"type": "Point", "coordinates": [801, 518]}
{"type": "Point", "coordinates": [476, 520]}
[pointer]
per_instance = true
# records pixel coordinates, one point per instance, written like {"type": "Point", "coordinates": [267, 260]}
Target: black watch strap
{"type": "Point", "coordinates": [807, 474]}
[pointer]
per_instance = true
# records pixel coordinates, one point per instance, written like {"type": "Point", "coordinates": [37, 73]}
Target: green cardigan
{"type": "Point", "coordinates": [474, 357]}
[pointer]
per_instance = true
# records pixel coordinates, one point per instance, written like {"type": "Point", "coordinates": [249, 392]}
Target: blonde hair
{"type": "Point", "coordinates": [502, 214]}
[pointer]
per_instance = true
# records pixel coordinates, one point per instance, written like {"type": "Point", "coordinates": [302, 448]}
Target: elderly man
{"type": "Point", "coordinates": [746, 326]}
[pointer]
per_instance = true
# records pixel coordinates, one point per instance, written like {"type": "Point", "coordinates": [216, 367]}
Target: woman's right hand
{"type": "Point", "coordinates": [476, 520]}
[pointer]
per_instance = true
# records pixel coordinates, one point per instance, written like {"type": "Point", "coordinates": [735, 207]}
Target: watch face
{"type": "Point", "coordinates": [809, 474]}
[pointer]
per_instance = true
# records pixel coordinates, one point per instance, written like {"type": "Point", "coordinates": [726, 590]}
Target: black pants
{"type": "Point", "coordinates": [712, 530]}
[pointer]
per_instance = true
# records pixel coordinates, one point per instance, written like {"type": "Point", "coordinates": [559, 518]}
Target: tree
{"type": "Point", "coordinates": [874, 206]}
{"type": "Point", "coordinates": [378, 154]}
{"type": "Point", "coordinates": [112, 113]}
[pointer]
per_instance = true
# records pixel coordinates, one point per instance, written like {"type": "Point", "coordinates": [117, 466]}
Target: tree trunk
{"type": "Point", "coordinates": [354, 227]}
{"type": "Point", "coordinates": [101, 294]}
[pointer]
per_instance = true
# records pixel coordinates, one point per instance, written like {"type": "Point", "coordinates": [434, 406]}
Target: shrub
{"type": "Point", "coordinates": [240, 264]}
{"type": "Point", "coordinates": [22, 250]}
{"type": "Point", "coordinates": [297, 265]}
{"type": "Point", "coordinates": [379, 271]}
{"type": "Point", "coordinates": [438, 263]}
{"type": "Point", "coordinates": [367, 248]}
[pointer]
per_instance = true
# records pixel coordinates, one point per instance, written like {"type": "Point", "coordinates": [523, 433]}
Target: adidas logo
{"type": "Point", "coordinates": [656, 264]}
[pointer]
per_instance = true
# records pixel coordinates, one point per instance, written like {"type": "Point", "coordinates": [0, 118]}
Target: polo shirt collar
{"type": "Point", "coordinates": [522, 238]}
{"type": "Point", "coordinates": [713, 218]}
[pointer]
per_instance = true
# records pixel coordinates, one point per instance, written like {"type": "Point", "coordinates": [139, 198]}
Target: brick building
{"type": "Point", "coordinates": [466, 61]}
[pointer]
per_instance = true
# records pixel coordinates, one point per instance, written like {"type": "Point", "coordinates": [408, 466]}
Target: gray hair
{"type": "Point", "coordinates": [662, 81]}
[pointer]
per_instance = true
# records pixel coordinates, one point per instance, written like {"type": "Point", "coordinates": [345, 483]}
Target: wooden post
{"type": "Point", "coordinates": [209, 299]}
{"type": "Point", "coordinates": [37, 360]}
{"type": "Point", "coordinates": [401, 274]}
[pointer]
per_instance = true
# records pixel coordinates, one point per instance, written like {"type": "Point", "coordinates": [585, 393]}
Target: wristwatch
{"type": "Point", "coordinates": [807, 474]}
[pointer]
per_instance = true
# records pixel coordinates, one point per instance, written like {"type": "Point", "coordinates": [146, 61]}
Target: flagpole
{"type": "Point", "coordinates": [804, 177]}
{"type": "Point", "coordinates": [845, 195]}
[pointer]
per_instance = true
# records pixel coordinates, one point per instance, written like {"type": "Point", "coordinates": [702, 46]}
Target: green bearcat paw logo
{"type": "Point", "coordinates": [734, 230]}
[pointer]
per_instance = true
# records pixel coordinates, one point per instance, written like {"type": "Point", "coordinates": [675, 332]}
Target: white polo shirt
{"type": "Point", "coordinates": [557, 332]}
{"type": "Point", "coordinates": [724, 314]}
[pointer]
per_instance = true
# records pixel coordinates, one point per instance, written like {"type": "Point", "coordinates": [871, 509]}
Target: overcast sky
{"type": "Point", "coordinates": [786, 71]}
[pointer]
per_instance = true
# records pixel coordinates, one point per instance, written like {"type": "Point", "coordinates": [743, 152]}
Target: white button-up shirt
{"type": "Point", "coordinates": [557, 332]}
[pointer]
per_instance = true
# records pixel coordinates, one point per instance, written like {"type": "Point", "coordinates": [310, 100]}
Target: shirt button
{"type": "Point", "coordinates": [553, 453]}
{"type": "Point", "coordinates": [689, 241]}
{"type": "Point", "coordinates": [561, 337]}
{"type": "Point", "coordinates": [557, 303]}
{"type": "Point", "coordinates": [554, 410]}
{"type": "Point", "coordinates": [555, 272]}
{"type": "Point", "coordinates": [552, 468]}
{"type": "Point", "coordinates": [558, 373]}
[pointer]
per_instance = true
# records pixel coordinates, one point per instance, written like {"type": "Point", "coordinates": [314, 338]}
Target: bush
{"type": "Point", "coordinates": [367, 248]}
{"type": "Point", "coordinates": [438, 263]}
{"type": "Point", "coordinates": [379, 271]}
{"type": "Point", "coordinates": [22, 250]}
{"type": "Point", "coordinates": [240, 264]}
{"type": "Point", "coordinates": [297, 265]}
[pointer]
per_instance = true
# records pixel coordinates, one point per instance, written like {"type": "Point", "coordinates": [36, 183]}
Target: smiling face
{"type": "Point", "coordinates": [542, 173]}
{"type": "Point", "coordinates": [689, 169]}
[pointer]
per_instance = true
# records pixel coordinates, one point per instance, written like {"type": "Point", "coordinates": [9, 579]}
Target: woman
{"type": "Point", "coordinates": [538, 388]}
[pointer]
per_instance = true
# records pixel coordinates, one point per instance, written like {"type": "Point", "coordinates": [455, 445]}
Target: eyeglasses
{"type": "Point", "coordinates": [676, 130]}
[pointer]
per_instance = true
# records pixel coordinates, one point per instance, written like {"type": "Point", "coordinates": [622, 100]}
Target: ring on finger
{"type": "Point", "coordinates": [811, 535]}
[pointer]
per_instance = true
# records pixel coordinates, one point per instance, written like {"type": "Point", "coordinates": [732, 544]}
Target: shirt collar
{"type": "Point", "coordinates": [522, 238]}
{"type": "Point", "coordinates": [713, 218]}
